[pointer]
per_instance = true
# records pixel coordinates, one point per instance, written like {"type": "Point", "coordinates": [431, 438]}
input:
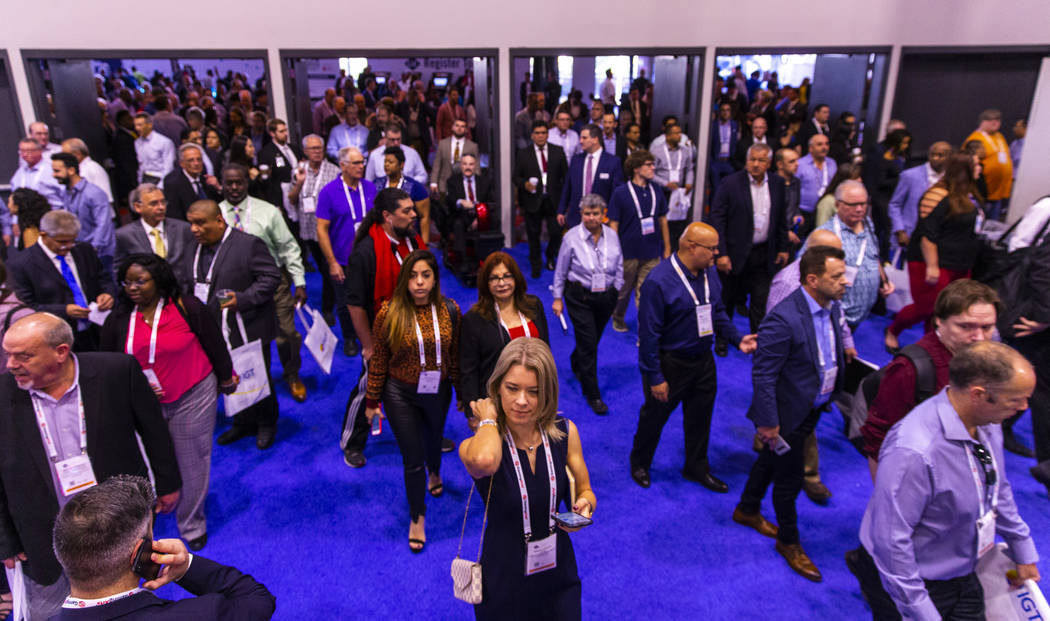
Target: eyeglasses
{"type": "Point", "coordinates": [129, 284]}
{"type": "Point", "coordinates": [507, 277]}
{"type": "Point", "coordinates": [698, 244]}
{"type": "Point", "coordinates": [855, 205]}
{"type": "Point", "coordinates": [985, 458]}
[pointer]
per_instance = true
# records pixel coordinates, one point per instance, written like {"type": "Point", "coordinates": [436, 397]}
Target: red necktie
{"type": "Point", "coordinates": [588, 176]}
{"type": "Point", "coordinates": [470, 188]}
{"type": "Point", "coordinates": [543, 159]}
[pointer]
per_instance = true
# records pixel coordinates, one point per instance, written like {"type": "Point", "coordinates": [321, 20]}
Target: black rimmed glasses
{"type": "Point", "coordinates": [508, 277]}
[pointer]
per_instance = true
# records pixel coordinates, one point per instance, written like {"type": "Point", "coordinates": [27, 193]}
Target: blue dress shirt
{"type": "Point", "coordinates": [813, 181]}
{"type": "Point", "coordinates": [414, 188]}
{"type": "Point", "coordinates": [579, 258]}
{"type": "Point", "coordinates": [861, 295]}
{"type": "Point", "coordinates": [921, 521]}
{"type": "Point", "coordinates": [343, 135]}
{"type": "Point", "coordinates": [667, 317]}
{"type": "Point", "coordinates": [90, 205]}
{"type": "Point", "coordinates": [825, 340]}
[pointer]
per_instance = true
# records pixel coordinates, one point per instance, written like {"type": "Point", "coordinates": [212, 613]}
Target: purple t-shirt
{"type": "Point", "coordinates": [343, 217]}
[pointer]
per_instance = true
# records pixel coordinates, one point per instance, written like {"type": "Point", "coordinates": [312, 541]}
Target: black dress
{"type": "Point", "coordinates": [507, 593]}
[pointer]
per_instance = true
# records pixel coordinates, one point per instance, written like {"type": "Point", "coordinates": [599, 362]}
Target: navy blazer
{"type": "Point", "coordinates": [222, 593]}
{"type": "Point", "coordinates": [607, 177]}
{"type": "Point", "coordinates": [715, 146]}
{"type": "Point", "coordinates": [41, 286]}
{"type": "Point", "coordinates": [785, 372]}
{"type": "Point", "coordinates": [733, 216]}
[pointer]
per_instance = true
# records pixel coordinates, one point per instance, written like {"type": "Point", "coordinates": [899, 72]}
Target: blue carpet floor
{"type": "Point", "coordinates": [330, 542]}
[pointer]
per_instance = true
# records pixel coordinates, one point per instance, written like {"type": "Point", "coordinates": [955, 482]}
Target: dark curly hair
{"type": "Point", "coordinates": [31, 207]}
{"type": "Point", "coordinates": [158, 268]}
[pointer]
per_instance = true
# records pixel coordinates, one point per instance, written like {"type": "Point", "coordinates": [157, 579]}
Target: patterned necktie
{"type": "Point", "coordinates": [588, 176]}
{"type": "Point", "coordinates": [237, 224]}
{"type": "Point", "coordinates": [198, 189]}
{"type": "Point", "coordinates": [158, 244]}
{"type": "Point", "coordinates": [470, 188]}
{"type": "Point", "coordinates": [455, 156]}
{"type": "Point", "coordinates": [71, 280]}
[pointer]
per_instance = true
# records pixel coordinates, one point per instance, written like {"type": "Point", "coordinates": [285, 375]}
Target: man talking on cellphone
{"type": "Point", "coordinates": [99, 538]}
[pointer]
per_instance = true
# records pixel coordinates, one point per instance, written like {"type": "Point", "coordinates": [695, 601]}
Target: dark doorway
{"type": "Point", "coordinates": [12, 128]}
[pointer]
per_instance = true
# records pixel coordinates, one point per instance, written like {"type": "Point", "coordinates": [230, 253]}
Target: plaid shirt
{"type": "Point", "coordinates": [312, 187]}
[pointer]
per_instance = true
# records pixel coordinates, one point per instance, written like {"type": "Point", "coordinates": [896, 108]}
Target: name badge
{"type": "Point", "coordinates": [429, 382]}
{"type": "Point", "coordinates": [603, 175]}
{"type": "Point", "coordinates": [978, 222]}
{"type": "Point", "coordinates": [279, 162]}
{"type": "Point", "coordinates": [357, 225]}
{"type": "Point", "coordinates": [985, 533]}
{"type": "Point", "coordinates": [200, 291]}
{"type": "Point", "coordinates": [827, 383]}
{"type": "Point", "coordinates": [851, 274]}
{"type": "Point", "coordinates": [1002, 157]}
{"type": "Point", "coordinates": [154, 381]}
{"type": "Point", "coordinates": [598, 282]}
{"type": "Point", "coordinates": [704, 324]}
{"type": "Point", "coordinates": [542, 555]}
{"type": "Point", "coordinates": [309, 204]}
{"type": "Point", "coordinates": [75, 474]}
{"type": "Point", "coordinates": [648, 226]}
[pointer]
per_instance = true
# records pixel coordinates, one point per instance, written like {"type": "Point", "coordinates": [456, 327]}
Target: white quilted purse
{"type": "Point", "coordinates": [466, 575]}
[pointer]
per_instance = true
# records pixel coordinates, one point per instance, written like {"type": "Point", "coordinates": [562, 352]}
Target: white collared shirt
{"type": "Point", "coordinates": [149, 234]}
{"type": "Point", "coordinates": [539, 163]}
{"type": "Point", "coordinates": [932, 176]}
{"type": "Point", "coordinates": [761, 205]}
{"type": "Point", "coordinates": [57, 262]}
{"type": "Point", "coordinates": [156, 154]}
{"type": "Point", "coordinates": [452, 148]}
{"type": "Point", "coordinates": [470, 185]}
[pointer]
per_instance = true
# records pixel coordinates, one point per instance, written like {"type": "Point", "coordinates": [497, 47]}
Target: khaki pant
{"type": "Point", "coordinates": [288, 340]}
{"type": "Point", "coordinates": [635, 272]}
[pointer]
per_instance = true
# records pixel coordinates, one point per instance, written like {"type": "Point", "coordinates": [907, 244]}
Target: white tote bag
{"type": "Point", "coordinates": [250, 366]}
{"type": "Point", "coordinates": [16, 582]}
{"type": "Point", "coordinates": [1000, 601]}
{"type": "Point", "coordinates": [320, 340]}
{"type": "Point", "coordinates": [897, 273]}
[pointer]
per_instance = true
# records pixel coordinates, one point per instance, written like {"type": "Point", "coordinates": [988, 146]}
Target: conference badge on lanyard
{"type": "Point", "coordinates": [648, 223]}
{"type": "Point", "coordinates": [986, 522]}
{"type": "Point", "coordinates": [704, 321]}
{"type": "Point", "coordinates": [541, 554]}
{"type": "Point", "coordinates": [151, 375]}
{"type": "Point", "coordinates": [74, 474]}
{"type": "Point", "coordinates": [429, 381]}
{"type": "Point", "coordinates": [828, 376]}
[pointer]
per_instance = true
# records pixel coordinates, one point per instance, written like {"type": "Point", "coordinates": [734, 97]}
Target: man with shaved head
{"type": "Point", "coordinates": [69, 422]}
{"type": "Point", "coordinates": [904, 205]}
{"type": "Point", "coordinates": [681, 310]}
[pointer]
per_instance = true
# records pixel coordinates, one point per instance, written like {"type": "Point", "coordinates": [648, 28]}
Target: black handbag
{"type": "Point", "coordinates": [994, 260]}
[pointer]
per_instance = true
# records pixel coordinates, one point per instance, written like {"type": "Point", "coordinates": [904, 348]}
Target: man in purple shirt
{"type": "Point", "coordinates": [341, 206]}
{"type": "Point", "coordinates": [941, 494]}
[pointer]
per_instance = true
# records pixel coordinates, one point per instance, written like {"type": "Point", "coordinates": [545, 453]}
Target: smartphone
{"type": "Point", "coordinates": [572, 520]}
{"type": "Point", "coordinates": [780, 446]}
{"type": "Point", "coordinates": [377, 425]}
{"type": "Point", "coordinates": [142, 565]}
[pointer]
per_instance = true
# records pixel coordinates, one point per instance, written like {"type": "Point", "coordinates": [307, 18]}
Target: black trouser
{"type": "Point", "coordinates": [534, 227]}
{"type": "Point", "coordinates": [589, 312]}
{"type": "Point", "coordinates": [418, 423]}
{"type": "Point", "coordinates": [809, 222]}
{"type": "Point", "coordinates": [751, 282]}
{"type": "Point", "coordinates": [693, 381]}
{"type": "Point", "coordinates": [675, 228]}
{"type": "Point", "coordinates": [263, 413]}
{"type": "Point", "coordinates": [785, 472]}
{"type": "Point", "coordinates": [355, 423]}
{"type": "Point", "coordinates": [1037, 350]}
{"type": "Point", "coordinates": [956, 599]}
{"type": "Point", "coordinates": [880, 215]}
{"type": "Point", "coordinates": [342, 308]}
{"type": "Point", "coordinates": [327, 291]}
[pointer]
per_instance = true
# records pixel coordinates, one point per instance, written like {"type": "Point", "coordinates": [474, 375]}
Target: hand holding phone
{"type": "Point", "coordinates": [142, 565]}
{"type": "Point", "coordinates": [570, 519]}
{"type": "Point", "coordinates": [780, 446]}
{"type": "Point", "coordinates": [172, 558]}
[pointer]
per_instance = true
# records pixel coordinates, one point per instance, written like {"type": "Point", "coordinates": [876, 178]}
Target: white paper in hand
{"type": "Point", "coordinates": [97, 316]}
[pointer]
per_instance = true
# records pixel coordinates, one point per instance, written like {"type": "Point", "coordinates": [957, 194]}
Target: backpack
{"type": "Point", "coordinates": [925, 387]}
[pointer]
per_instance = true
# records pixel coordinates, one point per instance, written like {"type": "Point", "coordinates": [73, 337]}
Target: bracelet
{"type": "Point", "coordinates": [487, 421]}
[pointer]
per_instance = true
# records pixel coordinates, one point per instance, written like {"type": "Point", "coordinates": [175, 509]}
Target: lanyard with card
{"type": "Point", "coordinates": [74, 474]}
{"type": "Point", "coordinates": [524, 322]}
{"type": "Point", "coordinates": [202, 289]}
{"type": "Point", "coordinates": [429, 381]}
{"type": "Point", "coordinates": [852, 270]}
{"type": "Point", "coordinates": [978, 222]}
{"type": "Point", "coordinates": [350, 203]}
{"type": "Point", "coordinates": [597, 271]}
{"type": "Point", "coordinates": [308, 199]}
{"type": "Point", "coordinates": [673, 174]}
{"type": "Point", "coordinates": [828, 376]}
{"type": "Point", "coordinates": [986, 521]}
{"type": "Point", "coordinates": [704, 322]}
{"type": "Point", "coordinates": [823, 178]}
{"type": "Point", "coordinates": [129, 346]}
{"type": "Point", "coordinates": [541, 554]}
{"type": "Point", "coordinates": [648, 225]}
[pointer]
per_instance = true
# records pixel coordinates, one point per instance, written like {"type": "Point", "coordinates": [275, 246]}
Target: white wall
{"type": "Point", "coordinates": [624, 24]}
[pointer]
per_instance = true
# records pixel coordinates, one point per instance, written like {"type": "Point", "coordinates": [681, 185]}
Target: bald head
{"type": "Point", "coordinates": [695, 230]}
{"type": "Point", "coordinates": [938, 155]}
{"type": "Point", "coordinates": [51, 329]}
{"type": "Point", "coordinates": [38, 351]}
{"type": "Point", "coordinates": [823, 237]}
{"type": "Point", "coordinates": [698, 246]}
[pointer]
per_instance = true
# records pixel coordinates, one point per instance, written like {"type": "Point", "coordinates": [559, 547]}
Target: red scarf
{"type": "Point", "coordinates": [387, 265]}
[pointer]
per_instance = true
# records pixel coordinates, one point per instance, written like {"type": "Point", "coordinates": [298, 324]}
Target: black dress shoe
{"type": "Point", "coordinates": [197, 544]}
{"type": "Point", "coordinates": [1011, 444]}
{"type": "Point", "coordinates": [350, 348]}
{"type": "Point", "coordinates": [708, 480]}
{"type": "Point", "coordinates": [598, 406]}
{"type": "Point", "coordinates": [354, 459]}
{"type": "Point", "coordinates": [329, 318]}
{"type": "Point", "coordinates": [233, 434]}
{"type": "Point", "coordinates": [264, 439]}
{"type": "Point", "coordinates": [640, 474]}
{"type": "Point", "coordinates": [447, 446]}
{"type": "Point", "coordinates": [550, 265]}
{"type": "Point", "coordinates": [721, 348]}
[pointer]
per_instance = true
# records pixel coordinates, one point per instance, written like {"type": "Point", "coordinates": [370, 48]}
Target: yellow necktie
{"type": "Point", "coordinates": [158, 244]}
{"type": "Point", "coordinates": [455, 156]}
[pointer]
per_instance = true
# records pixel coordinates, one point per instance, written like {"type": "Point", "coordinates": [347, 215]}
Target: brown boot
{"type": "Point", "coordinates": [797, 559]}
{"type": "Point", "coordinates": [757, 522]}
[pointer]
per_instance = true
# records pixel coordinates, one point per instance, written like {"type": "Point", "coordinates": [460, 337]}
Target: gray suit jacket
{"type": "Point", "coordinates": [132, 239]}
{"type": "Point", "coordinates": [443, 167]}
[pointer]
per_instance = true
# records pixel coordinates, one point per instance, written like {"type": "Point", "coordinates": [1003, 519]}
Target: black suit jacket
{"type": "Point", "coordinates": [280, 172]}
{"type": "Point", "coordinates": [244, 265]}
{"type": "Point", "coordinates": [484, 192]}
{"type": "Point", "coordinates": [732, 215]}
{"type": "Point", "coordinates": [807, 131]}
{"type": "Point", "coordinates": [222, 593]}
{"type": "Point", "coordinates": [739, 158]}
{"type": "Point", "coordinates": [526, 166]}
{"type": "Point", "coordinates": [132, 239]}
{"type": "Point", "coordinates": [39, 284]}
{"type": "Point", "coordinates": [480, 344]}
{"type": "Point", "coordinates": [118, 402]}
{"type": "Point", "coordinates": [179, 193]}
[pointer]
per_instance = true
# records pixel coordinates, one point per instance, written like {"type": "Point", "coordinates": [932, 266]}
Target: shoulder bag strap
{"type": "Point", "coordinates": [484, 520]}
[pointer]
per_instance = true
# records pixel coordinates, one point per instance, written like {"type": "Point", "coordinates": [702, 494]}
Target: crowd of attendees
{"type": "Point", "coordinates": [190, 239]}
